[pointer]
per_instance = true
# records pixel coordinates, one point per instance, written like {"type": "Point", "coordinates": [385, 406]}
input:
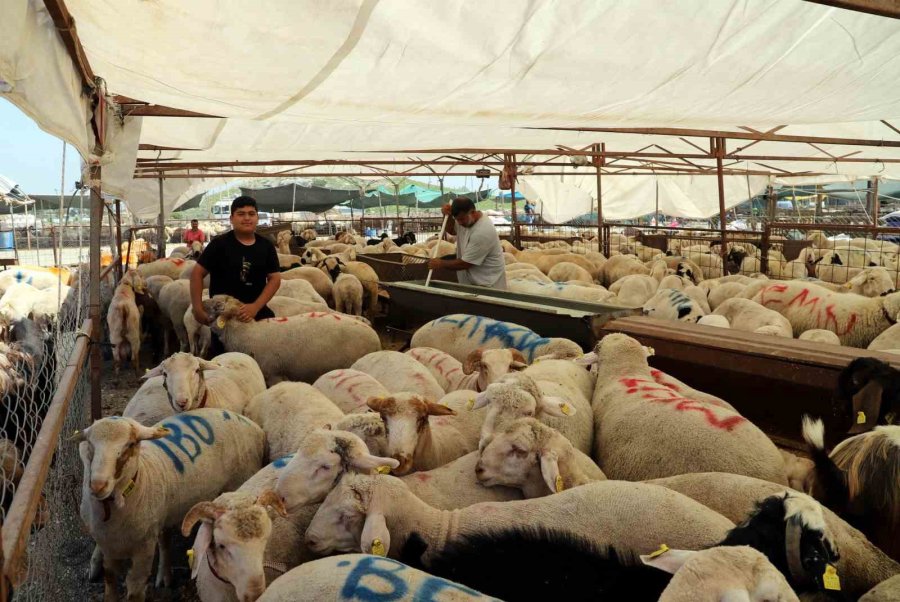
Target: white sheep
{"type": "Point", "coordinates": [457, 485]}
{"type": "Point", "coordinates": [871, 282]}
{"type": "Point", "coordinates": [36, 276]}
{"type": "Point", "coordinates": [171, 267]}
{"type": "Point", "coordinates": [399, 372]}
{"type": "Point", "coordinates": [534, 458]}
{"type": "Point", "coordinates": [320, 281]}
{"type": "Point", "coordinates": [155, 284]}
{"type": "Point", "coordinates": [634, 290]}
{"type": "Point", "coordinates": [646, 430]}
{"type": "Point", "coordinates": [574, 290]}
{"type": "Point", "coordinates": [140, 480]}
{"type": "Point", "coordinates": [671, 304]}
{"type": "Point", "coordinates": [886, 591]}
{"type": "Point", "coordinates": [724, 291]}
{"type": "Point", "coordinates": [174, 300]}
{"type": "Point", "coordinates": [366, 275]}
{"type": "Point", "coordinates": [288, 412]}
{"type": "Point", "coordinates": [566, 270]}
{"type": "Point", "coordinates": [714, 320]}
{"type": "Point", "coordinates": [330, 340]}
{"type": "Point", "coordinates": [461, 334]}
{"type": "Point", "coordinates": [827, 337]}
{"type": "Point", "coordinates": [749, 316]}
{"type": "Point", "coordinates": [287, 261]}
{"type": "Point", "coordinates": [348, 294]}
{"type": "Point", "coordinates": [301, 290]}
{"type": "Point", "coordinates": [855, 319]}
{"type": "Point", "coordinates": [619, 266]}
{"type": "Point", "coordinates": [124, 320]}
{"type": "Point", "coordinates": [331, 578]}
{"type": "Point", "coordinates": [422, 434]}
{"type": "Point", "coordinates": [632, 516]}
{"type": "Point", "coordinates": [677, 282]}
{"type": "Point", "coordinates": [481, 368]}
{"type": "Point", "coordinates": [350, 389]}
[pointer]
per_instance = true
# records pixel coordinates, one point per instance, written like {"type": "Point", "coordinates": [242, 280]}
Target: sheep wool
{"type": "Point", "coordinates": [461, 334]}
{"type": "Point", "coordinates": [645, 430]}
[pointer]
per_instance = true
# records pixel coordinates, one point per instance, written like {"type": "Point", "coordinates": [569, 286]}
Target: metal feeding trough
{"type": "Point", "coordinates": [413, 304]}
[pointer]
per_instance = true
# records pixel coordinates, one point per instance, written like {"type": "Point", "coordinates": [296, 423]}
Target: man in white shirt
{"type": "Point", "coordinates": [479, 256]}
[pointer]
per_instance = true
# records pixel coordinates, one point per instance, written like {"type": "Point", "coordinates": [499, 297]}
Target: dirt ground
{"type": "Point", "coordinates": [117, 391]}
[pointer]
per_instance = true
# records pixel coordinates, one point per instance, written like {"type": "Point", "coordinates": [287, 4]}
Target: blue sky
{"type": "Point", "coordinates": [31, 157]}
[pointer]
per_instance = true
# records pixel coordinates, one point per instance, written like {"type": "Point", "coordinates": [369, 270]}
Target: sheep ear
{"type": "Point", "coordinates": [370, 462]}
{"type": "Point", "coordinates": [207, 365]}
{"type": "Point", "coordinates": [866, 407]}
{"type": "Point", "coordinates": [157, 371]}
{"type": "Point", "coordinates": [201, 546]}
{"type": "Point", "coordinates": [669, 561]}
{"type": "Point", "coordinates": [269, 499]}
{"type": "Point", "coordinates": [436, 409]}
{"type": "Point", "coordinates": [518, 360]}
{"type": "Point", "coordinates": [375, 538]}
{"type": "Point", "coordinates": [550, 471]}
{"type": "Point", "coordinates": [479, 401]}
{"type": "Point", "coordinates": [380, 404]}
{"type": "Point", "coordinates": [145, 433]}
{"type": "Point", "coordinates": [587, 360]}
{"type": "Point", "coordinates": [556, 406]}
{"type": "Point", "coordinates": [473, 362]}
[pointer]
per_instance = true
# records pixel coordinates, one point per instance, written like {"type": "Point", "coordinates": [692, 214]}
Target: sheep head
{"type": "Point", "coordinates": [868, 389]}
{"type": "Point", "coordinates": [108, 449]}
{"type": "Point", "coordinates": [720, 573]}
{"type": "Point", "coordinates": [871, 282]}
{"type": "Point", "coordinates": [493, 364]}
{"type": "Point", "coordinates": [221, 309]}
{"type": "Point", "coordinates": [524, 455]}
{"type": "Point", "coordinates": [234, 531]}
{"type": "Point", "coordinates": [369, 427]}
{"type": "Point", "coordinates": [323, 458]}
{"type": "Point", "coordinates": [351, 519]}
{"type": "Point", "coordinates": [406, 417]}
{"type": "Point", "coordinates": [183, 380]}
{"type": "Point", "coordinates": [516, 396]}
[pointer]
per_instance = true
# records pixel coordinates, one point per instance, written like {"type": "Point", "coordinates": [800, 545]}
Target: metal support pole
{"type": "Point", "coordinates": [599, 161]}
{"type": "Point", "coordinates": [94, 301]}
{"type": "Point", "coordinates": [118, 254]}
{"type": "Point", "coordinates": [876, 202]}
{"type": "Point", "coordinates": [511, 166]}
{"type": "Point", "coordinates": [720, 154]}
{"type": "Point", "coordinates": [161, 224]}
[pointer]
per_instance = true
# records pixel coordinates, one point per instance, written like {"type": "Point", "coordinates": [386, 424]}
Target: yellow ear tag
{"type": "Point", "coordinates": [565, 409]}
{"type": "Point", "coordinates": [220, 322]}
{"type": "Point", "coordinates": [128, 489]}
{"type": "Point", "coordinates": [830, 579]}
{"type": "Point", "coordinates": [559, 484]}
{"type": "Point", "coordinates": [848, 285]}
{"type": "Point", "coordinates": [471, 403]}
{"type": "Point", "coordinates": [378, 548]}
{"type": "Point", "coordinates": [663, 548]}
{"type": "Point", "coordinates": [383, 470]}
{"type": "Point", "coordinates": [190, 557]}
{"type": "Point", "coordinates": [650, 351]}
{"type": "Point", "coordinates": [860, 418]}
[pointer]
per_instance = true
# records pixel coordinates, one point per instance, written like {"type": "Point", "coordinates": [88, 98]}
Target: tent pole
{"type": "Point", "coordinates": [294, 199]}
{"type": "Point", "coordinates": [94, 300]}
{"type": "Point", "coordinates": [876, 204]}
{"type": "Point", "coordinates": [719, 144]}
{"type": "Point", "coordinates": [511, 164]}
{"type": "Point", "coordinates": [161, 224]}
{"type": "Point", "coordinates": [598, 163]}
{"type": "Point", "coordinates": [118, 254]}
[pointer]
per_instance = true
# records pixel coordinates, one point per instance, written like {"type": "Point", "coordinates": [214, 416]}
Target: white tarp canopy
{"type": "Point", "coordinates": [304, 79]}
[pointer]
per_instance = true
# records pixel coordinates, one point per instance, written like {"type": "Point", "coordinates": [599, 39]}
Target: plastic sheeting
{"type": "Point", "coordinates": [305, 79]}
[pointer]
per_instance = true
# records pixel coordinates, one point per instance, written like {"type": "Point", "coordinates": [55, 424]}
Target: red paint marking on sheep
{"type": "Point", "coordinates": [277, 319]}
{"type": "Point", "coordinates": [831, 317]}
{"type": "Point", "coordinates": [661, 394]}
{"type": "Point", "coordinates": [421, 476]}
{"type": "Point", "coordinates": [177, 261]}
{"type": "Point", "coordinates": [659, 376]}
{"type": "Point", "coordinates": [774, 288]}
{"type": "Point", "coordinates": [802, 299]}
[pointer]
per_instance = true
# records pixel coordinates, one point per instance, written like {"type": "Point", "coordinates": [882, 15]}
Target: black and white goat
{"type": "Point", "coordinates": [860, 481]}
{"type": "Point", "coordinates": [532, 564]}
{"type": "Point", "coordinates": [869, 390]}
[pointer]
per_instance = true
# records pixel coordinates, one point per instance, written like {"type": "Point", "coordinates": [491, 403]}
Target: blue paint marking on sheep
{"type": "Point", "coordinates": [282, 461]}
{"type": "Point", "coordinates": [528, 341]}
{"type": "Point", "coordinates": [385, 583]}
{"type": "Point", "coordinates": [188, 444]}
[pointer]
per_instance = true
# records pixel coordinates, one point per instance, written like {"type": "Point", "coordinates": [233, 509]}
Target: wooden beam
{"type": "Point", "coordinates": [140, 108]}
{"type": "Point", "coordinates": [882, 8]}
{"type": "Point", "coordinates": [65, 25]}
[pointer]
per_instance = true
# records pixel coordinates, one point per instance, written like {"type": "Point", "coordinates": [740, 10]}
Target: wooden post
{"type": "Point", "coordinates": [720, 154]}
{"type": "Point", "coordinates": [118, 254]}
{"type": "Point", "coordinates": [819, 196]}
{"type": "Point", "coordinates": [161, 225]}
{"type": "Point", "coordinates": [94, 302]}
{"type": "Point", "coordinates": [876, 202]}
{"type": "Point", "coordinates": [53, 243]}
{"type": "Point", "coordinates": [599, 161]}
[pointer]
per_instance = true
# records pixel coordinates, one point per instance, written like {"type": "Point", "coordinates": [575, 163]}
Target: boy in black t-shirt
{"type": "Point", "coordinates": [240, 263]}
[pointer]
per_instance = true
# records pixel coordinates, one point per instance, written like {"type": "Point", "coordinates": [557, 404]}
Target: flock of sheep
{"type": "Point", "coordinates": [486, 461]}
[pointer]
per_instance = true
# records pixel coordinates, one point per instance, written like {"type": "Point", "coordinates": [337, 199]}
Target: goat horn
{"type": "Point", "coordinates": [792, 535]}
{"type": "Point", "coordinates": [270, 499]}
{"type": "Point", "coordinates": [201, 511]}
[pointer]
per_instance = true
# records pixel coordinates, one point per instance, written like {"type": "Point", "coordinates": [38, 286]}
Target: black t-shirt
{"type": "Point", "coordinates": [237, 269]}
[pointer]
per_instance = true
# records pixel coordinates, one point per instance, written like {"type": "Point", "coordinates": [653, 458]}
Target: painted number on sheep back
{"type": "Point", "coordinates": [191, 445]}
{"type": "Point", "coordinates": [825, 315]}
{"type": "Point", "coordinates": [384, 583]}
{"type": "Point", "coordinates": [509, 335]}
{"type": "Point", "coordinates": [652, 391]}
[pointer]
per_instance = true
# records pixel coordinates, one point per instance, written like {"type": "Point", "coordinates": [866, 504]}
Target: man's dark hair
{"type": "Point", "coordinates": [461, 205]}
{"type": "Point", "coordinates": [241, 202]}
{"type": "Point", "coordinates": [193, 221]}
